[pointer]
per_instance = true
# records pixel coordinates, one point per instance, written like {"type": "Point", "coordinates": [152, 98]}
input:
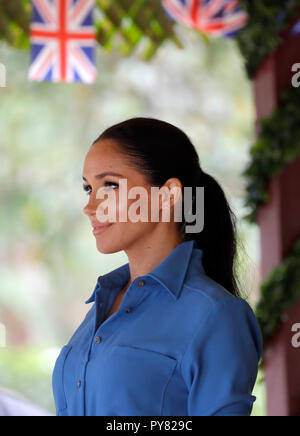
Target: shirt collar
{"type": "Point", "coordinates": [170, 273]}
{"type": "Point", "coordinates": [116, 278]}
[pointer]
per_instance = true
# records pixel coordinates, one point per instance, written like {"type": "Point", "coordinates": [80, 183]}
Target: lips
{"type": "Point", "coordinates": [99, 228]}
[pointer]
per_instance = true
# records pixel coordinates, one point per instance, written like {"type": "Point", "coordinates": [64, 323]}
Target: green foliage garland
{"type": "Point", "coordinates": [14, 22]}
{"type": "Point", "coordinates": [261, 35]}
{"type": "Point", "coordinates": [279, 292]}
{"type": "Point", "coordinates": [277, 146]}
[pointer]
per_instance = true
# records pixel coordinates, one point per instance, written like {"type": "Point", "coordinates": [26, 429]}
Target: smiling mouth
{"type": "Point", "coordinates": [100, 229]}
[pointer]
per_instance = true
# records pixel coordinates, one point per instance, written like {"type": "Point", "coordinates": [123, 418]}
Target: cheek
{"type": "Point", "coordinates": [134, 210]}
{"type": "Point", "coordinates": [128, 227]}
{"type": "Point", "coordinates": [137, 218]}
{"type": "Point", "coordinates": [122, 207]}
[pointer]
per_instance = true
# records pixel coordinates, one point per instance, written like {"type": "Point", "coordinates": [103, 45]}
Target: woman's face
{"type": "Point", "coordinates": [103, 159]}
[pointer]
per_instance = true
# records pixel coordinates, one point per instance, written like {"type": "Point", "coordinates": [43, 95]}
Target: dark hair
{"type": "Point", "coordinates": [162, 151]}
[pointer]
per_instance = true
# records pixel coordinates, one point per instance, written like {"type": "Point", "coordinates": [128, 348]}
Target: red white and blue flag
{"type": "Point", "coordinates": [295, 29]}
{"type": "Point", "coordinates": [63, 40]}
{"type": "Point", "coordinates": [217, 17]}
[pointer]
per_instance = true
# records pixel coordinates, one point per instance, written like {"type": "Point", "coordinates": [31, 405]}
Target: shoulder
{"type": "Point", "coordinates": [221, 357]}
{"type": "Point", "coordinates": [205, 293]}
{"type": "Point", "coordinates": [216, 313]}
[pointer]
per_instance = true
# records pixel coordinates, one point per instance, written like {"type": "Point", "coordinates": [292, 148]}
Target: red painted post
{"type": "Point", "coordinates": [279, 222]}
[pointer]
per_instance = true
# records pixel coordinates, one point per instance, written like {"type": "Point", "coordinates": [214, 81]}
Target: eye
{"type": "Point", "coordinates": [111, 184]}
{"type": "Point", "coordinates": [87, 189]}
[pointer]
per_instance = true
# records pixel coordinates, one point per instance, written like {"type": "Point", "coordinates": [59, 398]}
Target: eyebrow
{"type": "Point", "coordinates": [100, 176]}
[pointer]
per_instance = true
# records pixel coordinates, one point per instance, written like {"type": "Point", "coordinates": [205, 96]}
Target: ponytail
{"type": "Point", "coordinates": [218, 237]}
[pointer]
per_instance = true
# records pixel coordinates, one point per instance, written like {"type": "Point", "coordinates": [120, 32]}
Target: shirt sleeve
{"type": "Point", "coordinates": [220, 364]}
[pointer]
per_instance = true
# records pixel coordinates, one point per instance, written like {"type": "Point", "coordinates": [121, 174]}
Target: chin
{"type": "Point", "coordinates": [121, 238]}
{"type": "Point", "coordinates": [108, 247]}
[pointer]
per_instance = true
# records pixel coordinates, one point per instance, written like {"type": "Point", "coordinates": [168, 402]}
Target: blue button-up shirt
{"type": "Point", "coordinates": [179, 345]}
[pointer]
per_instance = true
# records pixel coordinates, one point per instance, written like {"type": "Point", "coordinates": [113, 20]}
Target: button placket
{"type": "Point", "coordinates": [129, 302]}
{"type": "Point", "coordinates": [140, 283]}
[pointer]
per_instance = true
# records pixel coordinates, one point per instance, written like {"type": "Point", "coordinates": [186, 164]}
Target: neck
{"type": "Point", "coordinates": [151, 250]}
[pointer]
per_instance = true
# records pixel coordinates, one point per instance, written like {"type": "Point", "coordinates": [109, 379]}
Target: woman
{"type": "Point", "coordinates": [168, 333]}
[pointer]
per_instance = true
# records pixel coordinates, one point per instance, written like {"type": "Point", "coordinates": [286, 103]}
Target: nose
{"type": "Point", "coordinates": [90, 208]}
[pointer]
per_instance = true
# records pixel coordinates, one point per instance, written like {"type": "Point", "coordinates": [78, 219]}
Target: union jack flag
{"type": "Point", "coordinates": [217, 17]}
{"type": "Point", "coordinates": [296, 29]}
{"type": "Point", "coordinates": [63, 41]}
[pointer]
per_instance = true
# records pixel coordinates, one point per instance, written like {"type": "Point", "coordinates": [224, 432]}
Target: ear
{"type": "Point", "coordinates": [172, 193]}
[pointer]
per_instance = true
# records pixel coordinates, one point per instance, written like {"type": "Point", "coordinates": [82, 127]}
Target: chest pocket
{"type": "Point", "coordinates": [58, 381]}
{"type": "Point", "coordinates": [136, 380]}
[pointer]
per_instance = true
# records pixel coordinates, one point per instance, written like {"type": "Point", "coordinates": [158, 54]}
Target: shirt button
{"type": "Point", "coordinates": [98, 340]}
{"type": "Point", "coordinates": [79, 383]}
{"type": "Point", "coordinates": [141, 283]}
{"type": "Point", "coordinates": [128, 309]}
